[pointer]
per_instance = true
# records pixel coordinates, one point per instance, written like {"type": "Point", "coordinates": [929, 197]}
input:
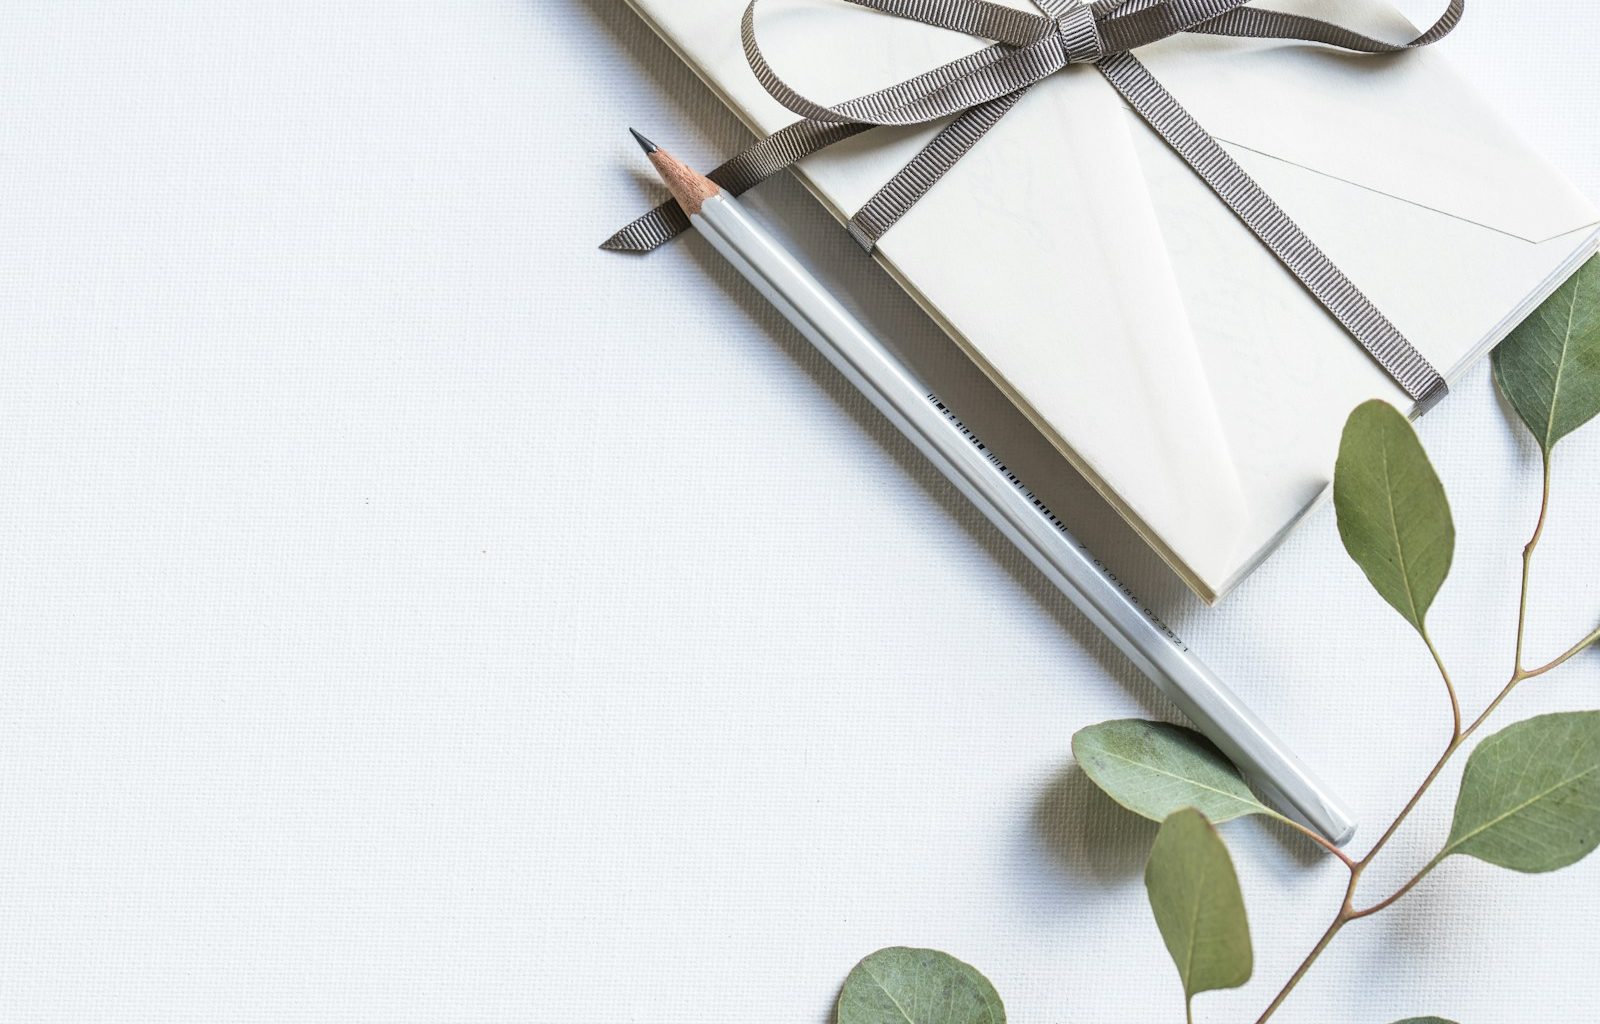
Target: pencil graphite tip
{"type": "Point", "coordinates": [644, 143]}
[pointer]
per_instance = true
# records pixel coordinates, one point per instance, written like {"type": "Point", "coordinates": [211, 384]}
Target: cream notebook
{"type": "Point", "coordinates": [1140, 327]}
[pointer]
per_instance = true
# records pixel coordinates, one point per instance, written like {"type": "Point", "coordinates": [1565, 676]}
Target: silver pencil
{"type": "Point", "coordinates": [1014, 510]}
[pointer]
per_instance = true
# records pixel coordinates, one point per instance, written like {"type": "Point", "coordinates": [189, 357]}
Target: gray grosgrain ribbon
{"type": "Point", "coordinates": [978, 89]}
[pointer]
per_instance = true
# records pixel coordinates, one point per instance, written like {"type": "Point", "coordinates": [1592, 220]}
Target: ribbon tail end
{"type": "Point", "coordinates": [619, 243]}
{"type": "Point", "coordinates": [650, 232]}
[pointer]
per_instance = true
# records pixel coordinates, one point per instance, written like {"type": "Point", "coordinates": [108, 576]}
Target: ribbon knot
{"type": "Point", "coordinates": [1080, 37]}
{"type": "Point", "coordinates": [974, 92]}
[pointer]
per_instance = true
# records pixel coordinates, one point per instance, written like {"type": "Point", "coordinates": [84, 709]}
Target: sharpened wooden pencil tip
{"type": "Point", "coordinates": [690, 188]}
{"type": "Point", "coordinates": [644, 143]}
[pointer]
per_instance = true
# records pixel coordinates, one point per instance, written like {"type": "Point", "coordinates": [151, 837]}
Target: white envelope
{"type": "Point", "coordinates": [1122, 307]}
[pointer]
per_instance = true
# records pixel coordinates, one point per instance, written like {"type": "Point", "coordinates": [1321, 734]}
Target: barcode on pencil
{"type": "Point", "coordinates": [977, 443]}
{"type": "Point", "coordinates": [1054, 520]}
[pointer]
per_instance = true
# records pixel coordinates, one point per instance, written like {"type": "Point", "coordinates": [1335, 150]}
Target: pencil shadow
{"type": "Point", "coordinates": [875, 297]}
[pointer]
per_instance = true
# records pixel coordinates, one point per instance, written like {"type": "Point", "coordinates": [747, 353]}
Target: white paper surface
{"type": "Point", "coordinates": [414, 615]}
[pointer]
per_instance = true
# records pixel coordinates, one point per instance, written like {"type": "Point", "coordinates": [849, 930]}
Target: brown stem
{"type": "Point", "coordinates": [1339, 921]}
{"type": "Point", "coordinates": [1527, 562]}
{"type": "Point", "coordinates": [1570, 652]}
{"type": "Point", "coordinates": [1455, 744]}
{"type": "Point", "coordinates": [1449, 686]}
{"type": "Point", "coordinates": [1522, 611]}
{"type": "Point", "coordinates": [1416, 798]}
{"type": "Point", "coordinates": [1384, 904]}
{"type": "Point", "coordinates": [1320, 840]}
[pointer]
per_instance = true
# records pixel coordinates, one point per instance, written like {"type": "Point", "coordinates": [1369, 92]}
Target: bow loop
{"type": "Point", "coordinates": [978, 18]}
{"type": "Point", "coordinates": [1130, 25]}
{"type": "Point", "coordinates": [948, 90]}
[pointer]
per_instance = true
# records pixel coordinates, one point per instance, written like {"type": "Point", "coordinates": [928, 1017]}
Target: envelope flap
{"type": "Point", "coordinates": [1405, 125]}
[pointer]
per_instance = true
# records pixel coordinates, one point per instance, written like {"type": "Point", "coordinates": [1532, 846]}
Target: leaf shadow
{"type": "Point", "coordinates": [1528, 451]}
{"type": "Point", "coordinates": [1090, 835]}
{"type": "Point", "coordinates": [1086, 832]}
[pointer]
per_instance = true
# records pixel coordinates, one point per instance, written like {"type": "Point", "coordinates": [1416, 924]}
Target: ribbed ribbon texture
{"type": "Point", "coordinates": [977, 90]}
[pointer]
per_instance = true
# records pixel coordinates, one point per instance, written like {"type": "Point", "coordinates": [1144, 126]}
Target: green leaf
{"type": "Point", "coordinates": [1530, 796]}
{"type": "Point", "coordinates": [1154, 769]}
{"type": "Point", "coordinates": [1198, 905]}
{"type": "Point", "coordinates": [1393, 516]}
{"type": "Point", "coordinates": [917, 986]}
{"type": "Point", "coordinates": [1549, 365]}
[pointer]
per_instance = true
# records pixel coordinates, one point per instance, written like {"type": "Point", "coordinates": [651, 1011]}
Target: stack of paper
{"type": "Point", "coordinates": [1120, 304]}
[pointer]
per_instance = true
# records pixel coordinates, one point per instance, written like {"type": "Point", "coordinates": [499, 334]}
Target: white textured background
{"type": "Point", "coordinates": [408, 613]}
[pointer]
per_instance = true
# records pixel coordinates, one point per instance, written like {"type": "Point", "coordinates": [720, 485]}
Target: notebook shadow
{"type": "Point", "coordinates": [874, 296]}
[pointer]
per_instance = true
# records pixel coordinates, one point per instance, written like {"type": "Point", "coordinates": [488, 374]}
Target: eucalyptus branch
{"type": "Point", "coordinates": [1395, 522]}
{"type": "Point", "coordinates": [1458, 738]}
{"type": "Point", "coordinates": [1347, 911]}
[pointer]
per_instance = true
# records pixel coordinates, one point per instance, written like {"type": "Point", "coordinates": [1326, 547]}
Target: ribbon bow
{"type": "Point", "coordinates": [977, 90]}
